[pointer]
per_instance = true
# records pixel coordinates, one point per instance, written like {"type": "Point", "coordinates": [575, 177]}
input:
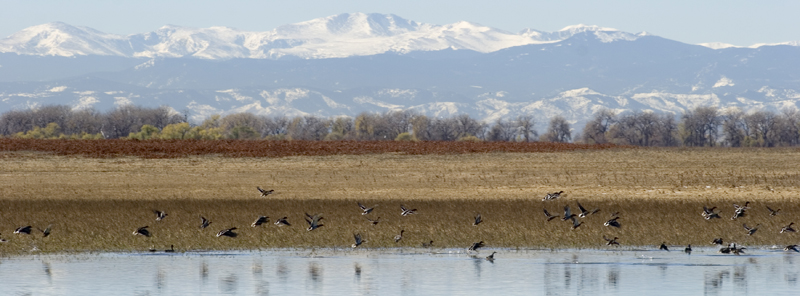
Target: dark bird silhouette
{"type": "Point", "coordinates": [688, 249]}
{"type": "Point", "coordinates": [575, 223]}
{"type": "Point", "coordinates": [282, 222]}
{"type": "Point", "coordinates": [788, 228]}
{"type": "Point", "coordinates": [406, 212]}
{"type": "Point", "coordinates": [227, 232]}
{"type": "Point", "coordinates": [204, 222]}
{"type": "Point", "coordinates": [142, 231]}
{"type": "Point", "coordinates": [159, 215]}
{"type": "Point", "coordinates": [611, 241]}
{"type": "Point", "coordinates": [476, 246]}
{"type": "Point", "coordinates": [23, 230]}
{"type": "Point", "coordinates": [478, 220]}
{"type": "Point", "coordinates": [584, 212]}
{"type": "Point", "coordinates": [263, 192]}
{"type": "Point", "coordinates": [373, 222]}
{"type": "Point", "coordinates": [791, 248]}
{"type": "Point", "coordinates": [751, 230]}
{"type": "Point", "coordinates": [365, 210]}
{"type": "Point", "coordinates": [773, 212]}
{"type": "Point", "coordinates": [46, 231]}
{"type": "Point", "coordinates": [170, 250]}
{"type": "Point", "coordinates": [313, 221]}
{"type": "Point", "coordinates": [717, 241]}
{"type": "Point", "coordinates": [567, 214]}
{"type": "Point", "coordinates": [398, 237]}
{"type": "Point", "coordinates": [663, 247]}
{"type": "Point", "coordinates": [613, 223]}
{"type": "Point", "coordinates": [358, 239]}
{"type": "Point", "coordinates": [490, 258]}
{"type": "Point", "coordinates": [260, 220]}
{"type": "Point", "coordinates": [547, 214]}
{"type": "Point", "coordinates": [709, 214]}
{"type": "Point", "coordinates": [737, 251]}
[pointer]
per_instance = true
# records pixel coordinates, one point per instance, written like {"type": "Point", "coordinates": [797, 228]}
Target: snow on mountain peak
{"type": "Point", "coordinates": [580, 28]}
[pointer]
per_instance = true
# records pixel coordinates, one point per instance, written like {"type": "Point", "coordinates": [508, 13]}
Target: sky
{"type": "Point", "coordinates": [738, 22]}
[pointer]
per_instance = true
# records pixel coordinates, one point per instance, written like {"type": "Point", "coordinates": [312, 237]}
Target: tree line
{"type": "Point", "coordinates": [702, 126]}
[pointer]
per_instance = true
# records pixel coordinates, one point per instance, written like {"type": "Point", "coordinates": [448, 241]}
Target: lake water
{"type": "Point", "coordinates": [404, 272]}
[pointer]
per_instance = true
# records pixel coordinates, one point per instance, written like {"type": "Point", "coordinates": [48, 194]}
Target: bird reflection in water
{"type": "Point", "coordinates": [713, 282]}
{"type": "Point", "coordinates": [257, 269]}
{"type": "Point", "coordinates": [229, 283]}
{"type": "Point", "coordinates": [613, 276]}
{"type": "Point", "coordinates": [357, 268]}
{"type": "Point", "coordinates": [161, 278]}
{"type": "Point", "coordinates": [204, 271]}
{"type": "Point", "coordinates": [314, 272]}
{"type": "Point", "coordinates": [283, 271]}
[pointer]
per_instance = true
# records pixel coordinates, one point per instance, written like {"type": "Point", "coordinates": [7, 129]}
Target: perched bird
{"type": "Point", "coordinates": [773, 212]}
{"type": "Point", "coordinates": [567, 214]}
{"type": "Point", "coordinates": [142, 231]}
{"type": "Point", "coordinates": [23, 230]}
{"type": "Point", "coordinates": [547, 214]}
{"type": "Point", "coordinates": [791, 248]}
{"type": "Point", "coordinates": [227, 232]}
{"type": "Point", "coordinates": [427, 245]}
{"type": "Point", "coordinates": [613, 223]}
{"type": "Point", "coordinates": [663, 247]}
{"type": "Point", "coordinates": [490, 258]}
{"type": "Point", "coordinates": [282, 222]}
{"type": "Point", "coordinates": [373, 222]}
{"type": "Point", "coordinates": [751, 230]}
{"type": "Point", "coordinates": [611, 241]}
{"type": "Point", "coordinates": [717, 241]}
{"type": "Point", "coordinates": [46, 231]}
{"type": "Point", "coordinates": [584, 212]}
{"type": "Point", "coordinates": [260, 220]}
{"type": "Point", "coordinates": [365, 210]}
{"type": "Point", "coordinates": [788, 228]}
{"type": "Point", "coordinates": [170, 250]}
{"type": "Point", "coordinates": [406, 212]}
{"type": "Point", "coordinates": [575, 223]}
{"type": "Point", "coordinates": [688, 249]}
{"type": "Point", "coordinates": [398, 237]}
{"type": "Point", "coordinates": [709, 214]}
{"type": "Point", "coordinates": [313, 221]}
{"type": "Point", "coordinates": [478, 220]}
{"type": "Point", "coordinates": [204, 222]}
{"type": "Point", "coordinates": [359, 241]}
{"type": "Point", "coordinates": [263, 192]}
{"type": "Point", "coordinates": [159, 215]}
{"type": "Point", "coordinates": [476, 246]}
{"type": "Point", "coordinates": [552, 196]}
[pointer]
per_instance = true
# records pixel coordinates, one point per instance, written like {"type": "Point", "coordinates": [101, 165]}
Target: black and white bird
{"type": "Point", "coordinates": [664, 247]}
{"type": "Point", "coordinates": [227, 232]}
{"type": "Point", "coordinates": [490, 258]}
{"type": "Point", "coordinates": [584, 212]}
{"type": "Point", "coordinates": [717, 241]}
{"type": "Point", "coordinates": [751, 230]}
{"type": "Point", "coordinates": [406, 212]}
{"type": "Point", "coordinates": [373, 222]}
{"type": "Point", "coordinates": [399, 237]}
{"type": "Point", "coordinates": [477, 220]}
{"type": "Point", "coordinates": [142, 231]}
{"type": "Point", "coordinates": [737, 251]}
{"type": "Point", "coordinates": [260, 220]}
{"type": "Point", "coordinates": [791, 248]}
{"type": "Point", "coordinates": [552, 196]}
{"type": "Point", "coordinates": [204, 222]}
{"type": "Point", "coordinates": [688, 249]}
{"type": "Point", "coordinates": [567, 214]}
{"type": "Point", "coordinates": [282, 222]}
{"type": "Point", "coordinates": [773, 212]}
{"type": "Point", "coordinates": [709, 213]}
{"type": "Point", "coordinates": [575, 223]}
{"type": "Point", "coordinates": [313, 221]}
{"type": "Point", "coordinates": [365, 210]}
{"type": "Point", "coordinates": [788, 228]}
{"type": "Point", "coordinates": [358, 239]}
{"type": "Point", "coordinates": [611, 241]}
{"type": "Point", "coordinates": [23, 230]}
{"type": "Point", "coordinates": [547, 214]}
{"type": "Point", "coordinates": [159, 215]}
{"type": "Point", "coordinates": [740, 211]}
{"type": "Point", "coordinates": [263, 192]}
{"type": "Point", "coordinates": [476, 246]}
{"type": "Point", "coordinates": [613, 223]}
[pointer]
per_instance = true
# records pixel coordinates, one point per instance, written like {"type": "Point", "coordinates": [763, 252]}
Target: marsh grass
{"type": "Point", "coordinates": [96, 204]}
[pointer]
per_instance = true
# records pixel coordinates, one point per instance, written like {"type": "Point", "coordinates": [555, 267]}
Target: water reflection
{"type": "Point", "coordinates": [393, 273]}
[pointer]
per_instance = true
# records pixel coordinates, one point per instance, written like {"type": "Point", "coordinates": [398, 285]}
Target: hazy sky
{"type": "Point", "coordinates": [739, 22]}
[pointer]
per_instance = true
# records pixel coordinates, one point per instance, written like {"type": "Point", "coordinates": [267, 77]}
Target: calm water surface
{"type": "Point", "coordinates": [403, 272]}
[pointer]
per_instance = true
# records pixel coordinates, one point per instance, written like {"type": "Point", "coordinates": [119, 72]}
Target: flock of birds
{"type": "Point", "coordinates": [314, 223]}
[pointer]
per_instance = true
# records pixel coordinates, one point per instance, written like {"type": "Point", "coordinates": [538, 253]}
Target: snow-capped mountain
{"type": "Point", "coordinates": [352, 63]}
{"type": "Point", "coordinates": [337, 36]}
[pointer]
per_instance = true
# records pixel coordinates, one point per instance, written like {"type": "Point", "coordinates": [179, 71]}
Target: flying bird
{"type": "Point", "coordinates": [773, 212]}
{"type": "Point", "coordinates": [567, 214]}
{"type": "Point", "coordinates": [584, 212]}
{"type": "Point", "coordinates": [263, 192]}
{"type": "Point", "coordinates": [478, 220]}
{"type": "Point", "coordinates": [552, 196]}
{"type": "Point", "coordinates": [739, 211]}
{"type": "Point", "coordinates": [547, 214]}
{"type": "Point", "coordinates": [260, 220]}
{"type": "Point", "coordinates": [613, 223]}
{"type": "Point", "coordinates": [227, 232]}
{"type": "Point", "coordinates": [788, 228]}
{"type": "Point", "coordinates": [23, 230]}
{"type": "Point", "coordinates": [709, 214]}
{"type": "Point", "coordinates": [490, 258]}
{"type": "Point", "coordinates": [359, 241]}
{"type": "Point", "coordinates": [282, 222]}
{"type": "Point", "coordinates": [204, 222]}
{"type": "Point", "coordinates": [159, 215]}
{"type": "Point", "coordinates": [142, 231]}
{"type": "Point", "coordinates": [313, 221]}
{"type": "Point", "coordinates": [476, 246]}
{"type": "Point", "coordinates": [406, 212]}
{"type": "Point", "coordinates": [575, 223]}
{"type": "Point", "coordinates": [663, 247]}
{"type": "Point", "coordinates": [751, 230]}
{"type": "Point", "coordinates": [791, 248]}
{"type": "Point", "coordinates": [365, 210]}
{"type": "Point", "coordinates": [373, 222]}
{"type": "Point", "coordinates": [717, 241]}
{"type": "Point", "coordinates": [46, 231]}
{"type": "Point", "coordinates": [611, 241]}
{"type": "Point", "coordinates": [398, 237]}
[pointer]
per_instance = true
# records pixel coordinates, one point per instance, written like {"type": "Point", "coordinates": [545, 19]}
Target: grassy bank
{"type": "Point", "coordinates": [96, 203]}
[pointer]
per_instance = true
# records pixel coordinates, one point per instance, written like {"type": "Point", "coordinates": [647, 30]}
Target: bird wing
{"type": "Point", "coordinates": [581, 207]}
{"type": "Point", "coordinates": [567, 212]}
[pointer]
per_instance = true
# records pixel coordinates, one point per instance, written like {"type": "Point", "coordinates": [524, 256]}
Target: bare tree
{"type": "Point", "coordinates": [525, 125]}
{"type": "Point", "coordinates": [558, 130]}
{"type": "Point", "coordinates": [595, 130]}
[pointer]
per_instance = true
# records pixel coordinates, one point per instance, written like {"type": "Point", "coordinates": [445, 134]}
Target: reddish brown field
{"type": "Point", "coordinates": [244, 148]}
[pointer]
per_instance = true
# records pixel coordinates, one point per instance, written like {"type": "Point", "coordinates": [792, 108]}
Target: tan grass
{"type": "Point", "coordinates": [95, 204]}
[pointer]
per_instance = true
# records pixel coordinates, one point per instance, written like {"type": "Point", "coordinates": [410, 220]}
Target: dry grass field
{"type": "Point", "coordinates": [94, 204]}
